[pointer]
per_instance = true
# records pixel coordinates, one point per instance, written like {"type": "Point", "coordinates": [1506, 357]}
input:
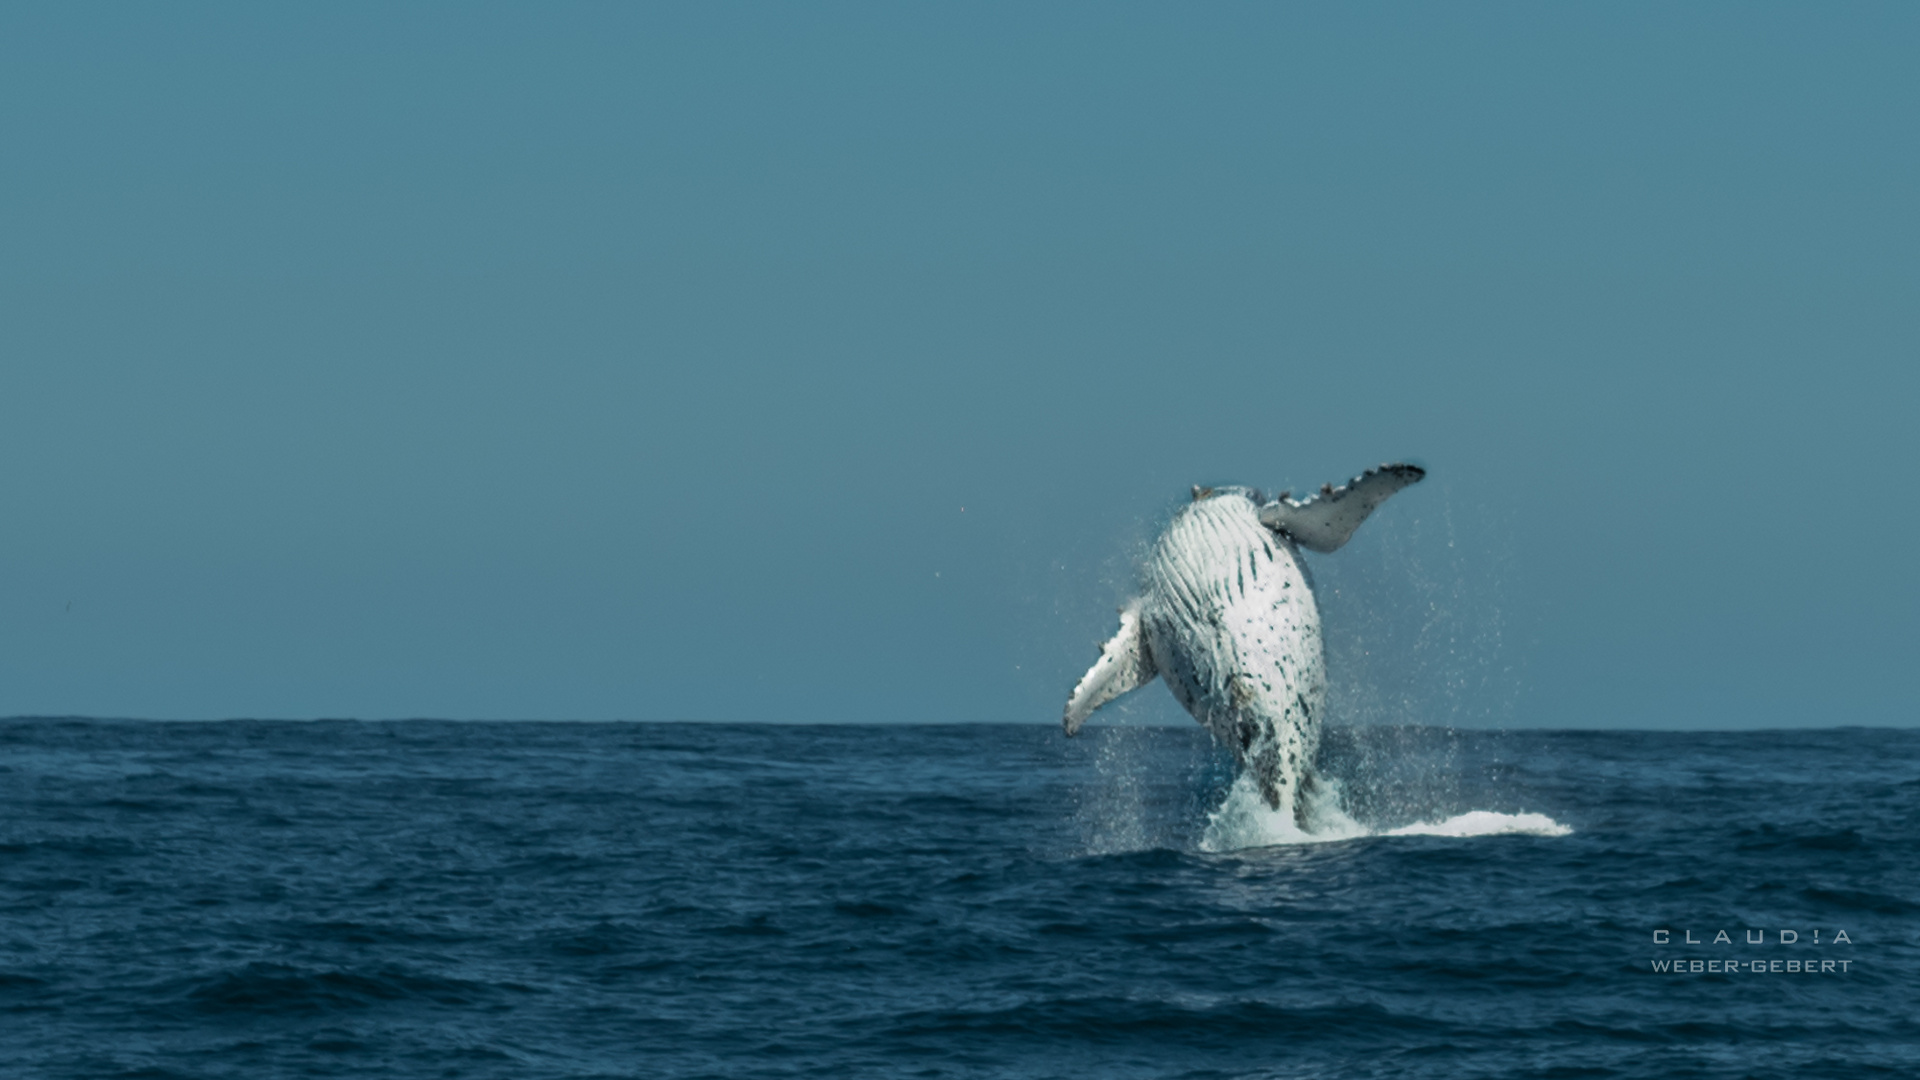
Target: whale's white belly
{"type": "Point", "coordinates": [1234, 631]}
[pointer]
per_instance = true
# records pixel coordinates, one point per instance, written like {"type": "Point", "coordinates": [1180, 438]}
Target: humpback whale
{"type": "Point", "coordinates": [1226, 617]}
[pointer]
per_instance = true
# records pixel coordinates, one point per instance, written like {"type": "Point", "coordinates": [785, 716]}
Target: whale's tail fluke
{"type": "Point", "coordinates": [1125, 664]}
{"type": "Point", "coordinates": [1325, 521]}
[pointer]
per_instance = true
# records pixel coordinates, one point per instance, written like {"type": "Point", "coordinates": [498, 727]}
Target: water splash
{"type": "Point", "coordinates": [1147, 787]}
{"type": "Point", "coordinates": [1485, 823]}
{"type": "Point", "coordinates": [1245, 821]}
{"type": "Point", "coordinates": [1113, 809]}
{"type": "Point", "coordinates": [1175, 789]}
{"type": "Point", "coordinates": [1416, 620]}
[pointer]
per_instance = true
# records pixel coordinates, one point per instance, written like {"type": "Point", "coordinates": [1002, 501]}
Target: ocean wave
{"type": "Point", "coordinates": [1056, 915]}
{"type": "Point", "coordinates": [1114, 1019]}
{"type": "Point", "coordinates": [280, 988]}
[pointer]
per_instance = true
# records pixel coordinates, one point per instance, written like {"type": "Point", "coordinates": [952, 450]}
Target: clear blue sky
{"type": "Point", "coordinates": [632, 361]}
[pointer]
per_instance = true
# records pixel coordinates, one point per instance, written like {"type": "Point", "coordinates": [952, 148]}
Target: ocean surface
{"type": "Point", "coordinates": [430, 899]}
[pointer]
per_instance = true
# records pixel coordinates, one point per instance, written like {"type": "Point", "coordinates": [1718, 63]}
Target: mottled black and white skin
{"type": "Point", "coordinates": [1226, 616]}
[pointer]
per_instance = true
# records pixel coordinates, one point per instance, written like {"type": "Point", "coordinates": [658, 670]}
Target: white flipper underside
{"type": "Point", "coordinates": [1326, 521]}
{"type": "Point", "coordinates": [1125, 664]}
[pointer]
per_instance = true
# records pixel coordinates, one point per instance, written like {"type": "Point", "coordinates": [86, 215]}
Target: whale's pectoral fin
{"type": "Point", "coordinates": [1326, 520]}
{"type": "Point", "coordinates": [1124, 664]}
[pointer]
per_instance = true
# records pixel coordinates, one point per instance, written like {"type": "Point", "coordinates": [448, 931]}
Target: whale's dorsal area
{"type": "Point", "coordinates": [1325, 521]}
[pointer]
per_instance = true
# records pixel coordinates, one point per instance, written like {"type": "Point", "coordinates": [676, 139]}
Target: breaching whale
{"type": "Point", "coordinates": [1226, 616]}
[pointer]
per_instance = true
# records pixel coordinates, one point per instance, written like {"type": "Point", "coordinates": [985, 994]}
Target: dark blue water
{"type": "Point", "coordinates": [542, 900]}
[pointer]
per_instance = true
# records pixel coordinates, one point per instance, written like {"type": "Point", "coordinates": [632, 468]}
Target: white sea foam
{"type": "Point", "coordinates": [1485, 823]}
{"type": "Point", "coordinates": [1244, 821]}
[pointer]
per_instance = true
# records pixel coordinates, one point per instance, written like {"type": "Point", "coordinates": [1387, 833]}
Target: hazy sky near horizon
{"type": "Point", "coordinates": [831, 362]}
